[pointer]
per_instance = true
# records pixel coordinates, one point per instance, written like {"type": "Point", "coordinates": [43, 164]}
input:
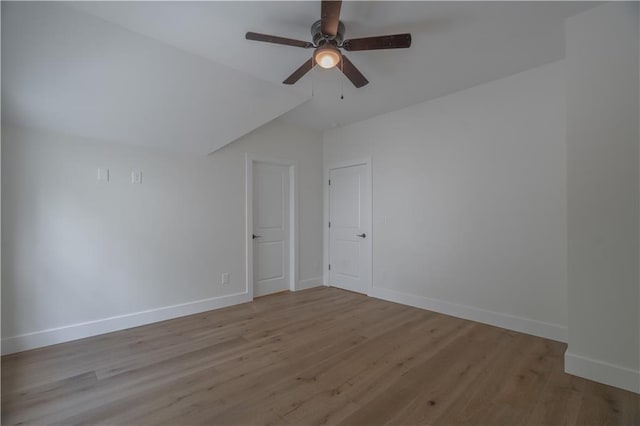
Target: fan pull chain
{"type": "Point", "coordinates": [342, 79]}
{"type": "Point", "coordinates": [313, 76]}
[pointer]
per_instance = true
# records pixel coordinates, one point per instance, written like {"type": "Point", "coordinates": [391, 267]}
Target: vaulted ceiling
{"type": "Point", "coordinates": [181, 75]}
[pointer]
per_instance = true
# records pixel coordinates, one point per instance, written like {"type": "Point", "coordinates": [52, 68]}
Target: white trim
{"type": "Point", "coordinates": [498, 319]}
{"type": "Point", "coordinates": [325, 226]}
{"type": "Point", "coordinates": [293, 217]}
{"type": "Point", "coordinates": [309, 283]}
{"type": "Point", "coordinates": [603, 372]}
{"type": "Point", "coordinates": [82, 330]}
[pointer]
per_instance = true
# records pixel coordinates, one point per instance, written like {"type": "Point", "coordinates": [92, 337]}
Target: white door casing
{"type": "Point", "coordinates": [349, 228]}
{"type": "Point", "coordinates": [271, 215]}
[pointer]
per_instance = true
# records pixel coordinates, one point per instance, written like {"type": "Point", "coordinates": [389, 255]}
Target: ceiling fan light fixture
{"type": "Point", "coordinates": [328, 38]}
{"type": "Point", "coordinates": [327, 56]}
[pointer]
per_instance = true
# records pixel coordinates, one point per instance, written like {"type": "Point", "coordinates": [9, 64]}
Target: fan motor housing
{"type": "Point", "coordinates": [320, 39]}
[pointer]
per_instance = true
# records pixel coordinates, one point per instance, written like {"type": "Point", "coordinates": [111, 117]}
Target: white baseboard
{"type": "Point", "coordinates": [524, 325]}
{"type": "Point", "coordinates": [67, 333]}
{"type": "Point", "coordinates": [309, 283]}
{"type": "Point", "coordinates": [603, 372]}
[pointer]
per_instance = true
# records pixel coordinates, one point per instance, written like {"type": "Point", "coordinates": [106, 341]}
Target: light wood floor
{"type": "Point", "coordinates": [313, 357]}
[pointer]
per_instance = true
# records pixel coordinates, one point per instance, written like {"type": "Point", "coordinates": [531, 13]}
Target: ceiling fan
{"type": "Point", "coordinates": [328, 38]}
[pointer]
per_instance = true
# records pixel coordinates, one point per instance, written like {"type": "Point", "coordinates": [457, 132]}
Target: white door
{"type": "Point", "coordinates": [270, 228]}
{"type": "Point", "coordinates": [350, 228]}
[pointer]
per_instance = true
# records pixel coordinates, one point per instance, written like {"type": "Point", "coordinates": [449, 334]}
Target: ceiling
{"type": "Point", "coordinates": [456, 45]}
{"type": "Point", "coordinates": [69, 72]}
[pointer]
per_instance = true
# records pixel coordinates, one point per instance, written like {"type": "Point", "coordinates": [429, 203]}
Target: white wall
{"type": "Point", "coordinates": [469, 201]}
{"type": "Point", "coordinates": [603, 195]}
{"type": "Point", "coordinates": [76, 250]}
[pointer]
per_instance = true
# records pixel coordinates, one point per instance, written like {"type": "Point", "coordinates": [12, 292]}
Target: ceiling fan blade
{"type": "Point", "coordinates": [395, 41]}
{"type": "Point", "coordinates": [352, 73]}
{"type": "Point", "coordinates": [278, 40]}
{"type": "Point", "coordinates": [297, 74]}
{"type": "Point", "coordinates": [330, 16]}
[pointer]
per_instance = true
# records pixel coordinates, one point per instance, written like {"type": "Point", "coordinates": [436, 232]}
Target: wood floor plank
{"type": "Point", "coordinates": [329, 371]}
{"type": "Point", "coordinates": [504, 401]}
{"type": "Point", "coordinates": [297, 366]}
{"type": "Point", "coordinates": [607, 406]}
{"type": "Point", "coordinates": [338, 395]}
{"type": "Point", "coordinates": [427, 378]}
{"type": "Point", "coordinates": [228, 386]}
{"type": "Point", "coordinates": [319, 356]}
{"type": "Point", "coordinates": [560, 400]}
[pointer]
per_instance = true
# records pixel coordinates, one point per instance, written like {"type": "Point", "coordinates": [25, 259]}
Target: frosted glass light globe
{"type": "Point", "coordinates": [327, 57]}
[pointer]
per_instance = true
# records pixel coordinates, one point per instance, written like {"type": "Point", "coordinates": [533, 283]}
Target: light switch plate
{"type": "Point", "coordinates": [103, 174]}
{"type": "Point", "coordinates": [136, 176]}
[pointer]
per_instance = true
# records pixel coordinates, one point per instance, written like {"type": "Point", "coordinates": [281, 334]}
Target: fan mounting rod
{"type": "Point", "coordinates": [319, 38]}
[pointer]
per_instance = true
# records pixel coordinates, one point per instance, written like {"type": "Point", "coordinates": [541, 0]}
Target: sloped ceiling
{"type": "Point", "coordinates": [71, 72]}
{"type": "Point", "coordinates": [456, 45]}
{"type": "Point", "coordinates": [181, 74]}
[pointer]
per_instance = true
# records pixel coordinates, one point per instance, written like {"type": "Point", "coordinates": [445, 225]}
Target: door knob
{"type": "Point", "coordinates": [256, 236]}
{"type": "Point", "coordinates": [363, 235]}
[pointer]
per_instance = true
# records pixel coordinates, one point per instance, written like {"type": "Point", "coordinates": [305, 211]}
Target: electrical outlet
{"type": "Point", "coordinates": [224, 278]}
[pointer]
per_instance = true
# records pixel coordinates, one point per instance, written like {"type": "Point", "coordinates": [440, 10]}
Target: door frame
{"type": "Point", "coordinates": [366, 161]}
{"type": "Point", "coordinates": [250, 159]}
